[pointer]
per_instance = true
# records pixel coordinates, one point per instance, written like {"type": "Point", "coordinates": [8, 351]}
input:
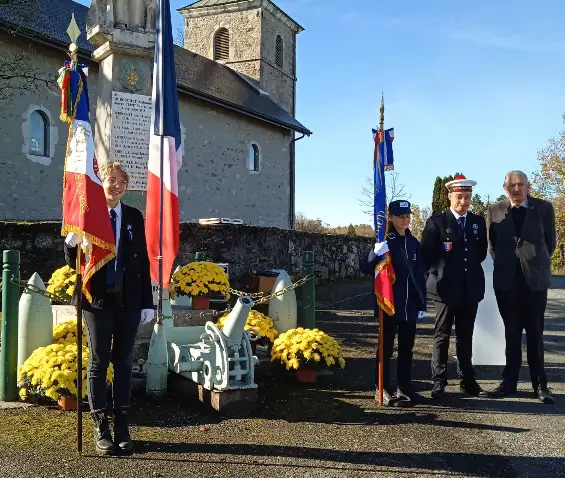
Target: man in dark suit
{"type": "Point", "coordinates": [522, 240]}
{"type": "Point", "coordinates": [454, 244]}
{"type": "Point", "coordinates": [122, 299]}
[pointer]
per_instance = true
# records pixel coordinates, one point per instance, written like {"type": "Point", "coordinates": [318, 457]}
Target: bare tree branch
{"type": "Point", "coordinates": [394, 190]}
{"type": "Point", "coordinates": [179, 37]}
{"type": "Point", "coordinates": [18, 72]}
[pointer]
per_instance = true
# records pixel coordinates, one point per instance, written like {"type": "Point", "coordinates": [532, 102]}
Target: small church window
{"type": "Point", "coordinates": [279, 47]}
{"type": "Point", "coordinates": [39, 134]}
{"type": "Point", "coordinates": [222, 44]}
{"type": "Point", "coordinates": [254, 158]}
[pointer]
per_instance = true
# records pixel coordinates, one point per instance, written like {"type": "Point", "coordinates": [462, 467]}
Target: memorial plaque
{"type": "Point", "coordinates": [131, 123]}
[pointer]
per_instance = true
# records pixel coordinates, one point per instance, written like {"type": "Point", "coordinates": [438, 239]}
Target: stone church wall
{"type": "Point", "coordinates": [215, 179]}
{"type": "Point", "coordinates": [242, 247]}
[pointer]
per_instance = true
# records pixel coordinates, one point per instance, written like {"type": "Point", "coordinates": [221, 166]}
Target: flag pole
{"type": "Point", "coordinates": [160, 258]}
{"type": "Point", "coordinates": [381, 315]}
{"type": "Point", "coordinates": [78, 287]}
{"type": "Point", "coordinates": [73, 49]}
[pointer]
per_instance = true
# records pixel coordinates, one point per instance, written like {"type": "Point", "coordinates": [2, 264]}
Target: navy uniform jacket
{"type": "Point", "coordinates": [407, 301]}
{"type": "Point", "coordinates": [133, 284]}
{"type": "Point", "coordinates": [453, 258]}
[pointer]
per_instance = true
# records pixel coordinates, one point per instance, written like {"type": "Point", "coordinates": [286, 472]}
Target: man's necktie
{"type": "Point", "coordinates": [111, 266]}
{"type": "Point", "coordinates": [461, 221]}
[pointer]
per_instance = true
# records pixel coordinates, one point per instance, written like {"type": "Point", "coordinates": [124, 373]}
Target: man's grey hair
{"type": "Point", "coordinates": [516, 172]}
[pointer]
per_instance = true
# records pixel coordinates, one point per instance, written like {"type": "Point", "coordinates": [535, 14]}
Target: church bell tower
{"type": "Point", "coordinates": [253, 37]}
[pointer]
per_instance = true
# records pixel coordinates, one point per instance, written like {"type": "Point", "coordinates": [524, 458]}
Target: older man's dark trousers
{"type": "Point", "coordinates": [406, 336]}
{"type": "Point", "coordinates": [463, 316]}
{"type": "Point", "coordinates": [521, 308]}
{"type": "Point", "coordinates": [111, 336]}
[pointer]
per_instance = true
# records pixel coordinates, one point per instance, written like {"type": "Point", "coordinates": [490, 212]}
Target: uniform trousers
{"type": "Point", "coordinates": [406, 336]}
{"type": "Point", "coordinates": [111, 334]}
{"type": "Point", "coordinates": [463, 316]}
{"type": "Point", "coordinates": [521, 308]}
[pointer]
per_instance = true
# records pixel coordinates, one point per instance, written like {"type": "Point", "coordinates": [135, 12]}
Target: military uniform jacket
{"type": "Point", "coordinates": [453, 258]}
{"type": "Point", "coordinates": [531, 251]}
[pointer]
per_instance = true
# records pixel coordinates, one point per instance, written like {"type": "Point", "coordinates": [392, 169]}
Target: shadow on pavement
{"type": "Point", "coordinates": [467, 464]}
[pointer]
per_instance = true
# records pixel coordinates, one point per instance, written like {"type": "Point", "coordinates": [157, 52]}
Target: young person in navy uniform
{"type": "Point", "coordinates": [454, 245]}
{"type": "Point", "coordinates": [122, 299]}
{"type": "Point", "coordinates": [409, 290]}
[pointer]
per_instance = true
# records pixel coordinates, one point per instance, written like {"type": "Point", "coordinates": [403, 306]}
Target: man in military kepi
{"type": "Point", "coordinates": [454, 244]}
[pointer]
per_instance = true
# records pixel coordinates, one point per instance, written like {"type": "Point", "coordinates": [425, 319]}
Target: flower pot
{"type": "Point", "coordinates": [306, 375]}
{"type": "Point", "coordinates": [68, 403]}
{"type": "Point", "coordinates": [200, 302]}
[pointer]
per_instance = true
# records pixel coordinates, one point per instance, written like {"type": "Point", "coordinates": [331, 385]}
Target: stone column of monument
{"type": "Point", "coordinates": [124, 33]}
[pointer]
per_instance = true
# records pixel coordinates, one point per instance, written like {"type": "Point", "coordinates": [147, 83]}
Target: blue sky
{"type": "Point", "coordinates": [474, 86]}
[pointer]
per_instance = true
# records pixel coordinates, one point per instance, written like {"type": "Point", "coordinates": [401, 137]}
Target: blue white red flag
{"type": "Point", "coordinates": [384, 272]}
{"type": "Point", "coordinates": [386, 147]}
{"type": "Point", "coordinates": [165, 154]}
{"type": "Point", "coordinates": [84, 205]}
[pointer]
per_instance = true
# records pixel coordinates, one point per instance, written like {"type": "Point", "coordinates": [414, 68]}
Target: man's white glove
{"type": "Point", "coordinates": [147, 315]}
{"type": "Point", "coordinates": [381, 248]}
{"type": "Point", "coordinates": [73, 239]}
{"type": "Point", "coordinates": [421, 314]}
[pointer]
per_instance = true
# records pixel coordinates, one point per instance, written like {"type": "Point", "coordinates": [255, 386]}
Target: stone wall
{"type": "Point", "coordinates": [215, 180]}
{"type": "Point", "coordinates": [244, 248]}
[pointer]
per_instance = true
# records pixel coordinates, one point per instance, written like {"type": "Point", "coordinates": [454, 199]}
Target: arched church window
{"type": "Point", "coordinates": [254, 159]}
{"type": "Point", "coordinates": [279, 47]}
{"type": "Point", "coordinates": [39, 134]}
{"type": "Point", "coordinates": [222, 44]}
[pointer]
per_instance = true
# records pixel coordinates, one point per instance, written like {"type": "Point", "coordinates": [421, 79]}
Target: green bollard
{"type": "Point", "coordinates": [307, 294]}
{"type": "Point", "coordinates": [198, 257]}
{"type": "Point", "coordinates": [9, 353]}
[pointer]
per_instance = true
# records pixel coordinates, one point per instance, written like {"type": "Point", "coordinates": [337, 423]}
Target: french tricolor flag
{"type": "Point", "coordinates": [85, 212]}
{"type": "Point", "coordinates": [165, 155]}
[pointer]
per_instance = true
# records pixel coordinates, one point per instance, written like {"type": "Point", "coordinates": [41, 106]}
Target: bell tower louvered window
{"type": "Point", "coordinates": [279, 51]}
{"type": "Point", "coordinates": [222, 44]}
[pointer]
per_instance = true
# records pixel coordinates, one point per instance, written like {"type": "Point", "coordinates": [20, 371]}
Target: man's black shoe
{"type": "Point", "coordinates": [122, 439]}
{"type": "Point", "coordinates": [503, 390]}
{"type": "Point", "coordinates": [439, 390]}
{"type": "Point", "coordinates": [544, 395]}
{"type": "Point", "coordinates": [472, 388]}
{"type": "Point", "coordinates": [387, 397]}
{"type": "Point", "coordinates": [102, 436]}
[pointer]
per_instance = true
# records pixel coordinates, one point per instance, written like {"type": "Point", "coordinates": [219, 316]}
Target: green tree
{"type": "Point", "coordinates": [419, 217]}
{"type": "Point", "coordinates": [478, 206]}
{"type": "Point", "coordinates": [436, 208]}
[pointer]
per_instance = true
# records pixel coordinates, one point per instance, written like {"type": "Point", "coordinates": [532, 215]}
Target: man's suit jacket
{"type": "Point", "coordinates": [133, 284]}
{"type": "Point", "coordinates": [532, 251]}
{"type": "Point", "coordinates": [453, 258]}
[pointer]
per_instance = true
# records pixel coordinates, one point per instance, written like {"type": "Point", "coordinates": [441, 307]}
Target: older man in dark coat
{"type": "Point", "coordinates": [522, 239]}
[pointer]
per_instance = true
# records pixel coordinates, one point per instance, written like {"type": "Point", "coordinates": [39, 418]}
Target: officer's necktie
{"type": "Point", "coordinates": [461, 221]}
{"type": "Point", "coordinates": [111, 266]}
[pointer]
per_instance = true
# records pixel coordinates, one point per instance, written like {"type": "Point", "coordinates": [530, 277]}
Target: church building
{"type": "Point", "coordinates": [236, 76]}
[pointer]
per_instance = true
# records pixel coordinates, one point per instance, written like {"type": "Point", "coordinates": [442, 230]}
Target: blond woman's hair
{"type": "Point", "coordinates": [107, 168]}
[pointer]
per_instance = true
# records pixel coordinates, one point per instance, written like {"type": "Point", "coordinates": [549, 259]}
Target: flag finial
{"type": "Point", "coordinates": [74, 32]}
{"type": "Point", "coordinates": [382, 125]}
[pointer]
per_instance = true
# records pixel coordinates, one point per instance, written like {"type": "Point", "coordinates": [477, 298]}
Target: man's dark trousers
{"type": "Point", "coordinates": [463, 316]}
{"type": "Point", "coordinates": [521, 308]}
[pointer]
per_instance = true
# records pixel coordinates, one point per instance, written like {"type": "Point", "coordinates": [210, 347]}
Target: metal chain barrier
{"type": "Point", "coordinates": [36, 290]}
{"type": "Point", "coordinates": [263, 297]}
{"type": "Point", "coordinates": [258, 297]}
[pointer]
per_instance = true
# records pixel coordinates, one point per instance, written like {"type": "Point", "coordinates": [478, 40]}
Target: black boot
{"type": "Point", "coordinates": [102, 436]}
{"type": "Point", "coordinates": [122, 440]}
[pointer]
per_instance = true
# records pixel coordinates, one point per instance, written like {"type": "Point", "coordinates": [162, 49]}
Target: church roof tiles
{"type": "Point", "coordinates": [196, 76]}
